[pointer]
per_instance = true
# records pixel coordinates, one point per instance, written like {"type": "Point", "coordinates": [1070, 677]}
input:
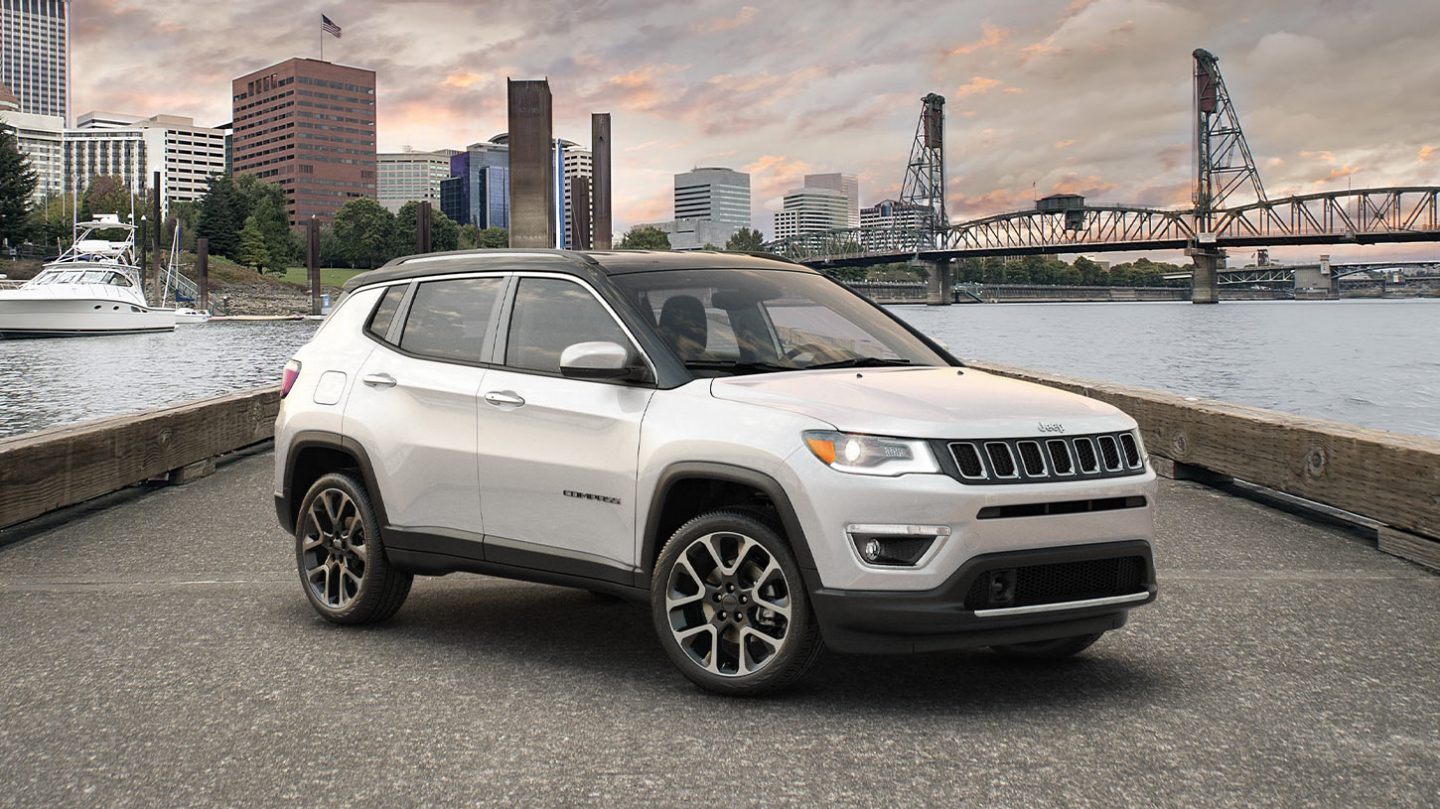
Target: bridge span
{"type": "Point", "coordinates": [1231, 210]}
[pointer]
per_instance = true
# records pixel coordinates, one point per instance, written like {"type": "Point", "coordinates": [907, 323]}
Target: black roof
{"type": "Point", "coordinates": [579, 262]}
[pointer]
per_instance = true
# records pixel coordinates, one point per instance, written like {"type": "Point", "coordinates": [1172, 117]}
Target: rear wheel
{"type": "Point", "coordinates": [341, 557]}
{"type": "Point", "coordinates": [730, 607]}
{"type": "Point", "coordinates": [1049, 649]}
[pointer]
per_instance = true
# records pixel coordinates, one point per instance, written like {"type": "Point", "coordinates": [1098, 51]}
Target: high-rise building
{"type": "Point", "coordinates": [846, 184]}
{"type": "Point", "coordinates": [35, 55]}
{"type": "Point", "coordinates": [891, 224]}
{"type": "Point", "coordinates": [309, 127]}
{"type": "Point", "coordinates": [186, 155]}
{"type": "Point", "coordinates": [477, 192]}
{"type": "Point", "coordinates": [811, 209]}
{"type": "Point", "coordinates": [714, 193]}
{"type": "Point", "coordinates": [40, 138]}
{"type": "Point", "coordinates": [575, 163]}
{"type": "Point", "coordinates": [412, 176]}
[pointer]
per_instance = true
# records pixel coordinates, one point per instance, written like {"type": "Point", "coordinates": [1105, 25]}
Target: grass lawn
{"type": "Point", "coordinates": [329, 276]}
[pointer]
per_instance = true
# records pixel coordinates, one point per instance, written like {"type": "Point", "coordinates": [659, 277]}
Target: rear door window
{"type": "Point", "coordinates": [449, 320]}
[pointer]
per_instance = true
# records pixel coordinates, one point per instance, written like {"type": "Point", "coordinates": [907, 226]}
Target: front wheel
{"type": "Point", "coordinates": [730, 607]}
{"type": "Point", "coordinates": [341, 558]}
{"type": "Point", "coordinates": [1057, 649]}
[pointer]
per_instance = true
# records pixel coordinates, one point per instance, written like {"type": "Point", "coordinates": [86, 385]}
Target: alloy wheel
{"type": "Point", "coordinates": [333, 550]}
{"type": "Point", "coordinates": [728, 604]}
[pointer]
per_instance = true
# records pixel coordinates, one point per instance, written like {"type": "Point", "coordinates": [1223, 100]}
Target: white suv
{"type": "Point", "coordinates": [769, 460]}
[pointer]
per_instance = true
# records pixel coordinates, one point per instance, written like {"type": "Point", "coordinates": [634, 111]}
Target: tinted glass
{"type": "Point", "coordinates": [385, 312]}
{"type": "Point", "coordinates": [552, 315]}
{"type": "Point", "coordinates": [723, 321]}
{"type": "Point", "coordinates": [448, 320]}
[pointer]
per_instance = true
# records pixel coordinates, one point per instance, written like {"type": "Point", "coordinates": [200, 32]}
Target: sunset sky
{"type": "Point", "coordinates": [1069, 95]}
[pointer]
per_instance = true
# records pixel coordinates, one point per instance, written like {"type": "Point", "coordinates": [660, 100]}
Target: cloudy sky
{"type": "Point", "coordinates": [1086, 96]}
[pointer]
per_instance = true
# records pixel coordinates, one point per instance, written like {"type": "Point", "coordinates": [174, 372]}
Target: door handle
{"type": "Point", "coordinates": [378, 380]}
{"type": "Point", "coordinates": [504, 398]}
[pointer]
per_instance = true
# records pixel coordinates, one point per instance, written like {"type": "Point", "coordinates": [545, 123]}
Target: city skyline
{"type": "Point", "coordinates": [1033, 109]}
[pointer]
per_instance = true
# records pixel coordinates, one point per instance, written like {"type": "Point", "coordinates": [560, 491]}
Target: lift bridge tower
{"type": "Point", "coordinates": [923, 190]}
{"type": "Point", "coordinates": [1223, 167]}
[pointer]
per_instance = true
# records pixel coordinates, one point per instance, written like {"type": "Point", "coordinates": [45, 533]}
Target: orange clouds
{"type": "Point", "coordinates": [1424, 153]}
{"type": "Point", "coordinates": [1064, 144]}
{"type": "Point", "coordinates": [743, 16]}
{"type": "Point", "coordinates": [771, 175]}
{"type": "Point", "coordinates": [462, 79]}
{"type": "Point", "coordinates": [978, 85]}
{"type": "Point", "coordinates": [992, 37]}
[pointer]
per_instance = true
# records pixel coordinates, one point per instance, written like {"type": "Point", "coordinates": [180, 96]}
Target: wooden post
{"type": "Point", "coordinates": [202, 269]}
{"type": "Point", "coordinates": [600, 179]}
{"type": "Point", "coordinates": [580, 212]}
{"type": "Point", "coordinates": [422, 227]}
{"type": "Point", "coordinates": [312, 261]}
{"type": "Point", "coordinates": [159, 229]}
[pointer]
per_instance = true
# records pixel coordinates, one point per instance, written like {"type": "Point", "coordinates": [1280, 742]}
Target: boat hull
{"type": "Point", "coordinates": [34, 316]}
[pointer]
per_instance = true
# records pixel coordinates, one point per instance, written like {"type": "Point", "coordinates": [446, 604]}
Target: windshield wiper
{"type": "Point", "coordinates": [860, 362]}
{"type": "Point", "coordinates": [740, 367]}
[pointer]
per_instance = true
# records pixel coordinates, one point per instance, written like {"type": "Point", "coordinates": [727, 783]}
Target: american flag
{"type": "Point", "coordinates": [328, 26]}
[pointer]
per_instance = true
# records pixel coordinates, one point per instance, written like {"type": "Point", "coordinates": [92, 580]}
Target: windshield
{"type": "Point", "coordinates": [721, 322]}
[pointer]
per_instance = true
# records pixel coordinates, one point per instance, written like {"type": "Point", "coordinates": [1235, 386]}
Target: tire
{"type": "Point", "coordinates": [345, 573]}
{"type": "Point", "coordinates": [1057, 649]}
{"type": "Point", "coordinates": [730, 607]}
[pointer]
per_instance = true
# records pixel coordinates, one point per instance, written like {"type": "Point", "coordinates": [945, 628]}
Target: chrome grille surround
{"type": "Point", "coordinates": [1042, 459]}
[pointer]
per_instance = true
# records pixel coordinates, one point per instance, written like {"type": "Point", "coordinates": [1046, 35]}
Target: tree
{"type": "Point", "coordinates": [51, 221]}
{"type": "Point", "coordinates": [645, 238]}
{"type": "Point", "coordinates": [745, 239]}
{"type": "Point", "coordinates": [493, 238]}
{"type": "Point", "coordinates": [274, 224]}
{"type": "Point", "coordinates": [186, 215]}
{"type": "Point", "coordinates": [444, 233]}
{"type": "Point", "coordinates": [17, 183]}
{"type": "Point", "coordinates": [108, 194]}
{"type": "Point", "coordinates": [366, 232]}
{"type": "Point", "coordinates": [252, 252]}
{"type": "Point", "coordinates": [221, 217]}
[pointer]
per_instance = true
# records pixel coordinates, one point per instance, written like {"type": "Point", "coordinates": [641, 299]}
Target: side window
{"type": "Point", "coordinates": [385, 312]}
{"type": "Point", "coordinates": [448, 320]}
{"type": "Point", "coordinates": [551, 315]}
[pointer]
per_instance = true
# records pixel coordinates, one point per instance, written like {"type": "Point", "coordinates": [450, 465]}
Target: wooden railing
{"type": "Point", "coordinates": [1390, 478]}
{"type": "Point", "coordinates": [51, 469]}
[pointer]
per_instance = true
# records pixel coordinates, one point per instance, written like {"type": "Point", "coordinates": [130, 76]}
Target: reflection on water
{"type": "Point", "coordinates": [60, 380]}
{"type": "Point", "coordinates": [1370, 362]}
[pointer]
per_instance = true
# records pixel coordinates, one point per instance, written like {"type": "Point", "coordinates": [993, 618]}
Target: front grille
{"type": "Point", "coordinates": [1030, 460]}
{"type": "Point", "coordinates": [1057, 583]}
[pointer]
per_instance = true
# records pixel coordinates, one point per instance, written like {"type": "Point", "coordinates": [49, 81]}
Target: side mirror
{"type": "Point", "coordinates": [598, 360]}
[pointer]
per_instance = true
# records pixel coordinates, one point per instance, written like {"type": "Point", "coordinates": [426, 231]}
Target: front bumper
{"type": "Point", "coordinates": [880, 621]}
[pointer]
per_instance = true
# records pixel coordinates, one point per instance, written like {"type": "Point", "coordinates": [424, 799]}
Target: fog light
{"type": "Point", "coordinates": [894, 545]}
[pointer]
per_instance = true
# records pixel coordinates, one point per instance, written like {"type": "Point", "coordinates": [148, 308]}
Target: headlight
{"type": "Point", "coordinates": [871, 455]}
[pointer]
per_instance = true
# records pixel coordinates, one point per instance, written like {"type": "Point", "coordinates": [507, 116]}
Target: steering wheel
{"type": "Point", "coordinates": [813, 349]}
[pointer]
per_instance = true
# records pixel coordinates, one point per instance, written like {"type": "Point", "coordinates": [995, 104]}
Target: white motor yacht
{"type": "Point", "coordinates": [93, 288]}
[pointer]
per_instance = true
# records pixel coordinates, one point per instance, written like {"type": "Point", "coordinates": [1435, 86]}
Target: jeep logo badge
{"type": "Point", "coordinates": [1051, 428]}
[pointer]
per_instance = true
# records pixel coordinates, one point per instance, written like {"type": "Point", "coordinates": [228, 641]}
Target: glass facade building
{"type": "Point", "coordinates": [477, 192]}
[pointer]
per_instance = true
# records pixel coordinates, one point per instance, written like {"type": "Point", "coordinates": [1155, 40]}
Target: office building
{"type": "Point", "coordinates": [309, 127]}
{"type": "Point", "coordinates": [694, 234]}
{"type": "Point", "coordinates": [891, 224]}
{"type": "Point", "coordinates": [575, 164]}
{"type": "Point", "coordinates": [35, 55]}
{"type": "Point", "coordinates": [808, 210]}
{"type": "Point", "coordinates": [412, 176]}
{"type": "Point", "coordinates": [718, 194]}
{"type": "Point", "coordinates": [477, 192]}
{"type": "Point", "coordinates": [132, 148]}
{"type": "Point", "coordinates": [846, 184]}
{"type": "Point", "coordinates": [40, 138]}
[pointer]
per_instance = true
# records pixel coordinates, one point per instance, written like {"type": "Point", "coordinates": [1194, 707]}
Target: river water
{"type": "Point", "coordinates": [1374, 363]}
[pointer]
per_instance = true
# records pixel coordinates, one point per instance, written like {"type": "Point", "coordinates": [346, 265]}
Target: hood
{"type": "Point", "coordinates": [925, 402]}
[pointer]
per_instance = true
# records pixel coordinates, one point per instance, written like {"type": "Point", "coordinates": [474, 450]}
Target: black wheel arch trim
{"type": "Point", "coordinates": [287, 503]}
{"type": "Point", "coordinates": [730, 473]}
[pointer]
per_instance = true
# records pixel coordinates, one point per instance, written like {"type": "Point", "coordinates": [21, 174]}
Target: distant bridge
{"type": "Point", "coordinates": [1285, 273]}
{"type": "Point", "coordinates": [920, 231]}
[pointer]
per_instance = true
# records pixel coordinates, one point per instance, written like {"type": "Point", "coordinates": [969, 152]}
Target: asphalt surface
{"type": "Point", "coordinates": [160, 652]}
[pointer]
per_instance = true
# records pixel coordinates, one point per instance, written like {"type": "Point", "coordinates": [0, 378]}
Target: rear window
{"type": "Point", "coordinates": [448, 320]}
{"type": "Point", "coordinates": [385, 312]}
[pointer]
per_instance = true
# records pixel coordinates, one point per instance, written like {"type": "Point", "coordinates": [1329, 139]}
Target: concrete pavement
{"type": "Point", "coordinates": [160, 652]}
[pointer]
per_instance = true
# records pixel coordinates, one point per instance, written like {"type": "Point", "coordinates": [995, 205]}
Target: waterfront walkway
{"type": "Point", "coordinates": [159, 652]}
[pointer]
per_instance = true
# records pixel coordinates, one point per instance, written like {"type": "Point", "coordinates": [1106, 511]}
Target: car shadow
{"type": "Point", "coordinates": [555, 633]}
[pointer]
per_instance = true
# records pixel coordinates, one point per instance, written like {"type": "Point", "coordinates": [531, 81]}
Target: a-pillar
{"type": "Point", "coordinates": [1205, 277]}
{"type": "Point", "coordinates": [940, 288]}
